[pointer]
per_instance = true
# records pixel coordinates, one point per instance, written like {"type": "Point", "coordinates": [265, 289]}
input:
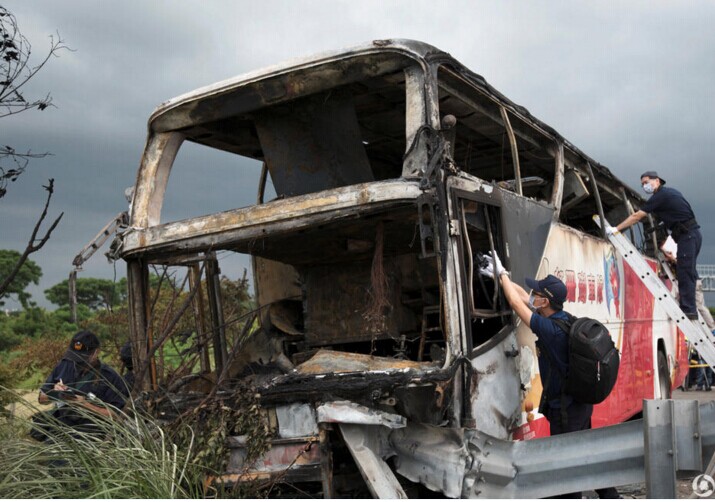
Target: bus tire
{"type": "Point", "coordinates": [663, 376]}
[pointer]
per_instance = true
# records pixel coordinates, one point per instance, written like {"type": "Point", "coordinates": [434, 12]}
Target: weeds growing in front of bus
{"type": "Point", "coordinates": [217, 417]}
{"type": "Point", "coordinates": [135, 455]}
{"type": "Point", "coordinates": [130, 457]}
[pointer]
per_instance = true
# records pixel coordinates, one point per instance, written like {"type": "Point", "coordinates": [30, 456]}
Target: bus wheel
{"type": "Point", "coordinates": [663, 376]}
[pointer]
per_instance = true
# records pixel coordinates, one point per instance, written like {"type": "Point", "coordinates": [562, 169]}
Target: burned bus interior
{"type": "Point", "coordinates": [350, 134]}
{"type": "Point", "coordinates": [332, 291]}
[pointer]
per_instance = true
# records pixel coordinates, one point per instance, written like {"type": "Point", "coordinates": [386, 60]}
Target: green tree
{"type": "Point", "coordinates": [92, 292]}
{"type": "Point", "coordinates": [29, 273]}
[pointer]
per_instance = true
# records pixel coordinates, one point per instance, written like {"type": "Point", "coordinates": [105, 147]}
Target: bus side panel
{"type": "Point", "coordinates": [637, 369]}
{"type": "Point", "coordinates": [601, 285]}
{"type": "Point", "coordinates": [682, 360]}
{"type": "Point", "coordinates": [596, 288]}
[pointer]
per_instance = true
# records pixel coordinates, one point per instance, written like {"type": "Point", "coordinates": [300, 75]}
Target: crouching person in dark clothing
{"type": "Point", "coordinates": [125, 354]}
{"type": "Point", "coordinates": [539, 311]}
{"type": "Point", "coordinates": [81, 380]}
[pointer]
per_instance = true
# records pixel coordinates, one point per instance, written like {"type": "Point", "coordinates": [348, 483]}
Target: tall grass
{"type": "Point", "coordinates": [127, 457]}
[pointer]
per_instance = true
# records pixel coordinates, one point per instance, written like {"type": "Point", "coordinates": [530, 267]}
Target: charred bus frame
{"type": "Point", "coordinates": [393, 165]}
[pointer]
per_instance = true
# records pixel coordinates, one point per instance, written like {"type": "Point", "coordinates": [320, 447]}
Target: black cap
{"type": "Point", "coordinates": [653, 174]}
{"type": "Point", "coordinates": [125, 354]}
{"type": "Point", "coordinates": [84, 342]}
{"type": "Point", "coordinates": [551, 287]}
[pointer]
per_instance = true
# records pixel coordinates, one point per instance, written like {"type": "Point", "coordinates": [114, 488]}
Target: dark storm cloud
{"type": "Point", "coordinates": [628, 83]}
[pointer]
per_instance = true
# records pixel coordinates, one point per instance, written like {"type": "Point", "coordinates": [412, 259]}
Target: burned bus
{"type": "Point", "coordinates": [377, 347]}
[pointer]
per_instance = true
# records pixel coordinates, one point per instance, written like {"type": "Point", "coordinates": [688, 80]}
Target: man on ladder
{"type": "Point", "coordinates": [669, 205]}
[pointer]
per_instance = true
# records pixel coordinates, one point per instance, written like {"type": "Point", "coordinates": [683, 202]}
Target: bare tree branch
{"type": "Point", "coordinates": [15, 72]}
{"type": "Point", "coordinates": [34, 244]}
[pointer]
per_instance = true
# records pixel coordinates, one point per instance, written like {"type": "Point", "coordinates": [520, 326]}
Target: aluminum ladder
{"type": "Point", "coordinates": [696, 332]}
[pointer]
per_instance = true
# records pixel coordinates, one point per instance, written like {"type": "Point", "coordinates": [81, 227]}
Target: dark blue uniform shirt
{"type": "Point", "coordinates": [669, 205]}
{"type": "Point", "coordinates": [108, 386]}
{"type": "Point", "coordinates": [554, 340]}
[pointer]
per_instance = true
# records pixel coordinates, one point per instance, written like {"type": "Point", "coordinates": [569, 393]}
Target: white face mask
{"type": "Point", "coordinates": [648, 188]}
{"type": "Point", "coordinates": [532, 298]}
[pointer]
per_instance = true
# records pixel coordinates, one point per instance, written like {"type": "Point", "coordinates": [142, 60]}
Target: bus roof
{"type": "Point", "coordinates": [306, 75]}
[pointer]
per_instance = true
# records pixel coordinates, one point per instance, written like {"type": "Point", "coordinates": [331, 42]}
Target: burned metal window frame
{"type": "Point", "coordinates": [458, 196]}
{"type": "Point", "coordinates": [168, 124]}
{"type": "Point", "coordinates": [500, 112]}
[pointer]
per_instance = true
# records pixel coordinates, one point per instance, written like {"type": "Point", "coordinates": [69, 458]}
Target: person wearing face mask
{"type": "Point", "coordinates": [669, 205]}
{"type": "Point", "coordinates": [538, 310]}
{"type": "Point", "coordinates": [80, 379]}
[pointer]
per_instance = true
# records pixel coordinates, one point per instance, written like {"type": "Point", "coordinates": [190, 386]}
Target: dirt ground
{"type": "Point", "coordinates": [27, 410]}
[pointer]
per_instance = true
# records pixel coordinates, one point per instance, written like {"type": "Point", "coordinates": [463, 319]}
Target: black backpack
{"type": "Point", "coordinates": [593, 360]}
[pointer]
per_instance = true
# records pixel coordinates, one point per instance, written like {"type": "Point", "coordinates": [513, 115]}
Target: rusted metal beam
{"type": "Point", "coordinates": [198, 307]}
{"type": "Point", "coordinates": [380, 479]}
{"type": "Point", "coordinates": [559, 171]}
{"type": "Point", "coordinates": [494, 116]}
{"type": "Point", "coordinates": [415, 118]}
{"type": "Point", "coordinates": [153, 175]}
{"type": "Point", "coordinates": [213, 286]}
{"type": "Point", "coordinates": [597, 196]}
{"type": "Point", "coordinates": [137, 283]}
{"type": "Point", "coordinates": [514, 149]}
{"type": "Point", "coordinates": [214, 230]}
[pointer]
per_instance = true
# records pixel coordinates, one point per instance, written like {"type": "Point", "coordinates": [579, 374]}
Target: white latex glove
{"type": "Point", "coordinates": [497, 264]}
{"type": "Point", "coordinates": [611, 230]}
{"type": "Point", "coordinates": [488, 269]}
{"type": "Point", "coordinates": [491, 265]}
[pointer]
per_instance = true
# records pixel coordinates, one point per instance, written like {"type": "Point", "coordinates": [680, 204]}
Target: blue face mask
{"type": "Point", "coordinates": [648, 188]}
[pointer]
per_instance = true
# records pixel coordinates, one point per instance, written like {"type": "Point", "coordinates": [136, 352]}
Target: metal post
{"type": "Point", "coordinates": [137, 273]}
{"type": "Point", "coordinates": [213, 286]}
{"type": "Point", "coordinates": [630, 210]}
{"type": "Point", "coordinates": [597, 196]}
{"type": "Point", "coordinates": [514, 149]}
{"type": "Point", "coordinates": [198, 306]}
{"type": "Point", "coordinates": [559, 170]}
{"type": "Point", "coordinates": [72, 283]}
{"type": "Point", "coordinates": [672, 443]}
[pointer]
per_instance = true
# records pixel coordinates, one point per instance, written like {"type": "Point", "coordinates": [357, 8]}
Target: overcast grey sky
{"type": "Point", "coordinates": [630, 83]}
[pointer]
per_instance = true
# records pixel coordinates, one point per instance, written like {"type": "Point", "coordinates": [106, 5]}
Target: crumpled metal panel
{"type": "Point", "coordinates": [435, 457]}
{"type": "Point", "coordinates": [331, 361]}
{"type": "Point", "coordinates": [314, 144]}
{"type": "Point", "coordinates": [296, 420]}
{"type": "Point", "coordinates": [495, 397]}
{"type": "Point", "coordinates": [281, 456]}
{"type": "Point", "coordinates": [362, 443]}
{"type": "Point", "coordinates": [347, 412]}
{"type": "Point", "coordinates": [526, 224]}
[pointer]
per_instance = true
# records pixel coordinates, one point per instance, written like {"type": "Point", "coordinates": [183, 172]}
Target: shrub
{"type": "Point", "coordinates": [38, 356]}
{"type": "Point", "coordinates": [8, 380]}
{"type": "Point", "coordinates": [131, 457]}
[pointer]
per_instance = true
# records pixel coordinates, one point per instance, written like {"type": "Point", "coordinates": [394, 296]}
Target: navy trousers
{"type": "Point", "coordinates": [578, 419]}
{"type": "Point", "coordinates": [688, 250]}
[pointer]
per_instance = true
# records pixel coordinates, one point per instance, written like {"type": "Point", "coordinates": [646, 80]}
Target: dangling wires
{"type": "Point", "coordinates": [379, 302]}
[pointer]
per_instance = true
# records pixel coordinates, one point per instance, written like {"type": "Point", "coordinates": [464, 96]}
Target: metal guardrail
{"type": "Point", "coordinates": [707, 275]}
{"type": "Point", "coordinates": [675, 438]}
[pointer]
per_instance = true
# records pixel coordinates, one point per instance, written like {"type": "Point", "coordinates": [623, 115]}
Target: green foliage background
{"type": "Point", "coordinates": [29, 273]}
{"type": "Point", "coordinates": [33, 339]}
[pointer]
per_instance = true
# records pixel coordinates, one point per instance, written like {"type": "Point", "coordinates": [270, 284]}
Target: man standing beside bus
{"type": "Point", "coordinates": [669, 205]}
{"type": "Point", "coordinates": [539, 310]}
